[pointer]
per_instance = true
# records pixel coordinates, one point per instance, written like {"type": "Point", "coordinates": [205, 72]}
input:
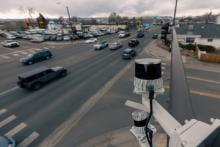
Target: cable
{"type": "Point", "coordinates": [148, 131]}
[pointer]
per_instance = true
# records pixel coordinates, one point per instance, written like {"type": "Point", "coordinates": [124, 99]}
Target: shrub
{"type": "Point", "coordinates": [188, 46]}
{"type": "Point", "coordinates": [207, 48]}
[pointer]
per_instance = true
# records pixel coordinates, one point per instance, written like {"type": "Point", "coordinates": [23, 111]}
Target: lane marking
{"type": "Point", "coordinates": [16, 129]}
{"type": "Point", "coordinates": [196, 92]}
{"type": "Point", "coordinates": [163, 68]}
{"type": "Point", "coordinates": [204, 80]}
{"type": "Point", "coordinates": [16, 55]}
{"type": "Point", "coordinates": [9, 90]}
{"type": "Point", "coordinates": [23, 52]}
{"type": "Point", "coordinates": [5, 57]}
{"type": "Point", "coordinates": [2, 111]}
{"type": "Point", "coordinates": [7, 120]}
{"type": "Point", "coordinates": [27, 141]}
{"type": "Point", "coordinates": [55, 137]}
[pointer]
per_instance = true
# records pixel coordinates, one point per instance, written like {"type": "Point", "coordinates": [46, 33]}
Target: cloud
{"type": "Point", "coordinates": [88, 8]}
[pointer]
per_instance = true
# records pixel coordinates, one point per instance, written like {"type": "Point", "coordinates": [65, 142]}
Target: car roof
{"type": "Point", "coordinates": [33, 72]}
{"type": "Point", "coordinates": [128, 50]}
{"type": "Point", "coordinates": [133, 39]}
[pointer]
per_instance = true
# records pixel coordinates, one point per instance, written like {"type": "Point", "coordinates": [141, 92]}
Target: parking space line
{"type": "Point", "coordinates": [7, 120]}
{"type": "Point", "coordinates": [204, 80]}
{"type": "Point", "coordinates": [16, 129]}
{"type": "Point", "coordinates": [2, 111]}
{"type": "Point", "coordinates": [27, 141]}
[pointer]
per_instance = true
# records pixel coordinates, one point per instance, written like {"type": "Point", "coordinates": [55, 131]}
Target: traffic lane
{"type": "Point", "coordinates": [101, 55]}
{"type": "Point", "coordinates": [69, 52]}
{"type": "Point", "coordinates": [72, 86]}
{"type": "Point", "coordinates": [61, 58]}
{"type": "Point", "coordinates": [65, 100]}
{"type": "Point", "coordinates": [206, 107]}
{"type": "Point", "coordinates": [108, 114]}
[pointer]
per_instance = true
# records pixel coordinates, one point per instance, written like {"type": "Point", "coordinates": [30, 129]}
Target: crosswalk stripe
{"type": "Point", "coordinates": [16, 129]}
{"type": "Point", "coordinates": [2, 111]}
{"type": "Point", "coordinates": [163, 68]}
{"type": "Point", "coordinates": [7, 120]}
{"type": "Point", "coordinates": [27, 141]}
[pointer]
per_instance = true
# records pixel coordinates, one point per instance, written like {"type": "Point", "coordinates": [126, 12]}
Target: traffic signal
{"type": "Point", "coordinates": [164, 31]}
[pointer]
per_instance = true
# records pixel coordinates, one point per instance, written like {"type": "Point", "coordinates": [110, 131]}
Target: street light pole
{"type": "Point", "coordinates": [174, 17]}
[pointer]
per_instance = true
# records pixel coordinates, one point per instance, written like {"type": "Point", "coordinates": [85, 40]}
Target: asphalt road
{"type": "Point", "coordinates": [36, 114]}
{"type": "Point", "coordinates": [33, 116]}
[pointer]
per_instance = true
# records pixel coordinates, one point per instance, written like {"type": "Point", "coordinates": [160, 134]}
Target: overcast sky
{"type": "Point", "coordinates": [97, 8]}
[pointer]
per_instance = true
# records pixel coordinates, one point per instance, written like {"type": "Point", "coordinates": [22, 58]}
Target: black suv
{"type": "Point", "coordinates": [140, 35]}
{"type": "Point", "coordinates": [35, 79]}
{"type": "Point", "coordinates": [133, 43]}
{"type": "Point", "coordinates": [128, 53]}
{"type": "Point", "coordinates": [36, 57]}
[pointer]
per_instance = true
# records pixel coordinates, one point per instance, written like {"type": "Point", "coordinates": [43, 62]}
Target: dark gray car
{"type": "Point", "coordinates": [35, 79]}
{"type": "Point", "coordinates": [6, 141]}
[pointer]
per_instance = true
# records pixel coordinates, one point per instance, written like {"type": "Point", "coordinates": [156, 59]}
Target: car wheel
{"type": "Point", "coordinates": [48, 57]}
{"type": "Point", "coordinates": [30, 62]}
{"type": "Point", "coordinates": [36, 86]}
{"type": "Point", "coordinates": [63, 74]}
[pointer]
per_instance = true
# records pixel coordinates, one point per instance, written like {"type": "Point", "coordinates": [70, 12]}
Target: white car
{"type": "Point", "coordinates": [10, 43]}
{"type": "Point", "coordinates": [92, 40]}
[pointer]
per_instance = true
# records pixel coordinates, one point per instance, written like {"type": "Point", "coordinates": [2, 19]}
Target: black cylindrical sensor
{"type": "Point", "coordinates": [148, 69]}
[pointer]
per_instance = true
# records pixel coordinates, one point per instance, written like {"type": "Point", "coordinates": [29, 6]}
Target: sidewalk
{"type": "Point", "coordinates": [190, 62]}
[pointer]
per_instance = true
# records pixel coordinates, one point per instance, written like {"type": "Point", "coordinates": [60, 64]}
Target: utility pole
{"type": "Point", "coordinates": [174, 17]}
{"type": "Point", "coordinates": [68, 12]}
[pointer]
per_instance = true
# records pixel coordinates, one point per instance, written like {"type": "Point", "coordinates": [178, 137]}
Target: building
{"type": "Point", "coordinates": [205, 34]}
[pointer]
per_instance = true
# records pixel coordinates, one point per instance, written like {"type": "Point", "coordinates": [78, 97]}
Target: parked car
{"type": "Point", "coordinates": [155, 36]}
{"type": "Point", "coordinates": [66, 38]}
{"type": "Point", "coordinates": [133, 43]}
{"type": "Point", "coordinates": [140, 35]}
{"type": "Point", "coordinates": [6, 141]}
{"type": "Point", "coordinates": [101, 45]}
{"type": "Point", "coordinates": [128, 53]}
{"type": "Point", "coordinates": [59, 37]}
{"type": "Point", "coordinates": [10, 43]}
{"type": "Point", "coordinates": [36, 57]}
{"type": "Point", "coordinates": [115, 46]}
{"type": "Point", "coordinates": [123, 34]}
{"type": "Point", "coordinates": [53, 37]}
{"type": "Point", "coordinates": [74, 37]}
{"type": "Point", "coordinates": [91, 40]}
{"type": "Point", "coordinates": [37, 78]}
{"type": "Point", "coordinates": [47, 37]}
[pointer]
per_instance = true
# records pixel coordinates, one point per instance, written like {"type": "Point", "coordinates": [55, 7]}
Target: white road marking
{"type": "Point", "coordinates": [16, 55]}
{"type": "Point", "coordinates": [5, 57]}
{"type": "Point", "coordinates": [7, 120]}
{"type": "Point", "coordinates": [9, 90]}
{"type": "Point", "coordinates": [204, 80]}
{"type": "Point", "coordinates": [27, 141]}
{"type": "Point", "coordinates": [23, 52]}
{"type": "Point", "coordinates": [163, 68]}
{"type": "Point", "coordinates": [2, 111]}
{"type": "Point", "coordinates": [16, 129]}
{"type": "Point", "coordinates": [74, 119]}
{"type": "Point", "coordinates": [37, 49]}
{"type": "Point", "coordinates": [164, 63]}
